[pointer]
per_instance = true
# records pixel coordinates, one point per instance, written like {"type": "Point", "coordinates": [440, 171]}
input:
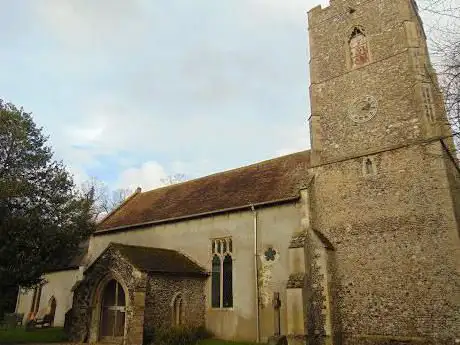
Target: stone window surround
{"type": "Point", "coordinates": [346, 40]}
{"type": "Point", "coordinates": [229, 249]}
{"type": "Point", "coordinates": [365, 166]}
{"type": "Point", "coordinates": [183, 305]}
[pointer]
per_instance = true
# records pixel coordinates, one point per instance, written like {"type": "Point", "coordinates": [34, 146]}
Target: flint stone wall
{"type": "Point", "coordinates": [160, 295]}
{"type": "Point", "coordinates": [84, 322]}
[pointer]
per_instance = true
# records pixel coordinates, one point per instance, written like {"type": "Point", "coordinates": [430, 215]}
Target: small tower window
{"type": "Point", "coordinates": [359, 48]}
{"type": "Point", "coordinates": [369, 167]}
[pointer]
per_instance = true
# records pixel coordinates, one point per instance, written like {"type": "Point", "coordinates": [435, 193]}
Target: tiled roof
{"type": "Point", "coordinates": [265, 182]}
{"type": "Point", "coordinates": [158, 260]}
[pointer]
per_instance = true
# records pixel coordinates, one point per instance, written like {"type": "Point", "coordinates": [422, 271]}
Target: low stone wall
{"type": "Point", "coordinates": [387, 340]}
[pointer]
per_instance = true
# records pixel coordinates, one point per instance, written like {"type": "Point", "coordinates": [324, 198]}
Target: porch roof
{"type": "Point", "coordinates": [158, 260]}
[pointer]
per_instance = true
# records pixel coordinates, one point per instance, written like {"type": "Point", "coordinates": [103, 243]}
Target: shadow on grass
{"type": "Point", "coordinates": [21, 336]}
{"type": "Point", "coordinates": [221, 342]}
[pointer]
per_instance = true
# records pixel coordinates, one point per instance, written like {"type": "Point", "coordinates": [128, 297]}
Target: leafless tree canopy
{"type": "Point", "coordinates": [443, 31]}
{"type": "Point", "coordinates": [173, 179]}
{"type": "Point", "coordinates": [105, 200]}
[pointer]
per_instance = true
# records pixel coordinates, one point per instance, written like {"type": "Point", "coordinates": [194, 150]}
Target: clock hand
{"type": "Point", "coordinates": [367, 106]}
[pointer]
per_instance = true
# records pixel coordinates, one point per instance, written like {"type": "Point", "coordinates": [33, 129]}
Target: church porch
{"type": "Point", "coordinates": [130, 290]}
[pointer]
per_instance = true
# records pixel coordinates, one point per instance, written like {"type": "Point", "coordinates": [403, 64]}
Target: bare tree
{"type": "Point", "coordinates": [443, 31]}
{"type": "Point", "coordinates": [105, 200]}
{"type": "Point", "coordinates": [173, 179]}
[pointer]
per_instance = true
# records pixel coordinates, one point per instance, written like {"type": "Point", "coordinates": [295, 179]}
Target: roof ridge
{"type": "Point", "coordinates": [262, 183]}
{"type": "Point", "coordinates": [227, 171]}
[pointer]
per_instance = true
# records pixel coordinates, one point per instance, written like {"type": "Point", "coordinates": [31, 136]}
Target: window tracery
{"type": "Point", "coordinates": [222, 273]}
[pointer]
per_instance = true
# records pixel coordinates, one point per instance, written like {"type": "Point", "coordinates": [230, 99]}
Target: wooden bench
{"type": "Point", "coordinates": [44, 322]}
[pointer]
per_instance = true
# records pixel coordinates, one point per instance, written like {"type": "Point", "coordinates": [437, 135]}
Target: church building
{"type": "Point", "coordinates": [353, 242]}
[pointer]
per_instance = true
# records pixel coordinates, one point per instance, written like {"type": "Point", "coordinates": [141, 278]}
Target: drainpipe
{"type": "Point", "coordinates": [256, 273]}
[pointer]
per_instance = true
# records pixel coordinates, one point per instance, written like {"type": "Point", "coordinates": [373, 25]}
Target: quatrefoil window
{"type": "Point", "coordinates": [270, 254]}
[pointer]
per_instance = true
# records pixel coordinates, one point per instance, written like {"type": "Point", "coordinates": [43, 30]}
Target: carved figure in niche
{"type": "Point", "coordinates": [359, 48]}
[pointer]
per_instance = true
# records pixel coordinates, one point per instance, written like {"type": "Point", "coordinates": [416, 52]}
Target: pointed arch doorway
{"type": "Point", "coordinates": [113, 312]}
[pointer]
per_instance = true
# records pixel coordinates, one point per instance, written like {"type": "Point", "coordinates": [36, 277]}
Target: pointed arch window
{"type": "Point", "coordinates": [359, 48]}
{"type": "Point", "coordinates": [52, 308]}
{"type": "Point", "coordinates": [216, 263]}
{"type": "Point", "coordinates": [178, 311]}
{"type": "Point", "coordinates": [222, 273]}
{"type": "Point", "coordinates": [227, 279]}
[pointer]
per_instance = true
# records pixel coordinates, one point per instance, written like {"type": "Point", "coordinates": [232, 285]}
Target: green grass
{"type": "Point", "coordinates": [21, 336]}
{"type": "Point", "coordinates": [221, 342]}
{"type": "Point", "coordinates": [54, 335]}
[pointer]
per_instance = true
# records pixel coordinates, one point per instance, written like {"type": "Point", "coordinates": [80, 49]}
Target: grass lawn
{"type": "Point", "coordinates": [55, 335]}
{"type": "Point", "coordinates": [221, 342]}
{"type": "Point", "coordinates": [19, 335]}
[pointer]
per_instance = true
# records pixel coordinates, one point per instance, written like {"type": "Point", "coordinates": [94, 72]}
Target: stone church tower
{"type": "Point", "coordinates": [383, 248]}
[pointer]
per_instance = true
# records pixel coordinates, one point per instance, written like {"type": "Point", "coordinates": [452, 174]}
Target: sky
{"type": "Point", "coordinates": [132, 91]}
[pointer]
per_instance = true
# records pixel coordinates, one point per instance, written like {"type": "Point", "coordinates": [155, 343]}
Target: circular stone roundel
{"type": "Point", "coordinates": [363, 109]}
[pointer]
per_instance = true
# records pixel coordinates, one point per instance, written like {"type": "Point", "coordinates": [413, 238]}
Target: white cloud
{"type": "Point", "coordinates": [294, 140]}
{"type": "Point", "coordinates": [93, 24]}
{"type": "Point", "coordinates": [283, 9]}
{"type": "Point", "coordinates": [147, 176]}
{"type": "Point", "coordinates": [182, 87]}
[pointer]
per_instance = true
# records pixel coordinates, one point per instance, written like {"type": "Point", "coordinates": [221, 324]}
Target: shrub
{"type": "Point", "coordinates": [203, 333]}
{"type": "Point", "coordinates": [180, 335]}
{"type": "Point", "coordinates": [148, 336]}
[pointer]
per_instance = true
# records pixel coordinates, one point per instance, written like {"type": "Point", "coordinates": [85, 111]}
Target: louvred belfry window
{"type": "Point", "coordinates": [222, 273]}
{"type": "Point", "coordinates": [428, 107]}
{"type": "Point", "coordinates": [359, 48]}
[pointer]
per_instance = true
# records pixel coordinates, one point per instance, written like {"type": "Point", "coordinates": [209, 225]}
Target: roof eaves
{"type": "Point", "coordinates": [196, 215]}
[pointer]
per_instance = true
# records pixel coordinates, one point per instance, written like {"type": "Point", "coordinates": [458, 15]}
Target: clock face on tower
{"type": "Point", "coordinates": [363, 109]}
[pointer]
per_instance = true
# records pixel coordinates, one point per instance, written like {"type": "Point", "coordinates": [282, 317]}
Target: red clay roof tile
{"type": "Point", "coordinates": [264, 182]}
